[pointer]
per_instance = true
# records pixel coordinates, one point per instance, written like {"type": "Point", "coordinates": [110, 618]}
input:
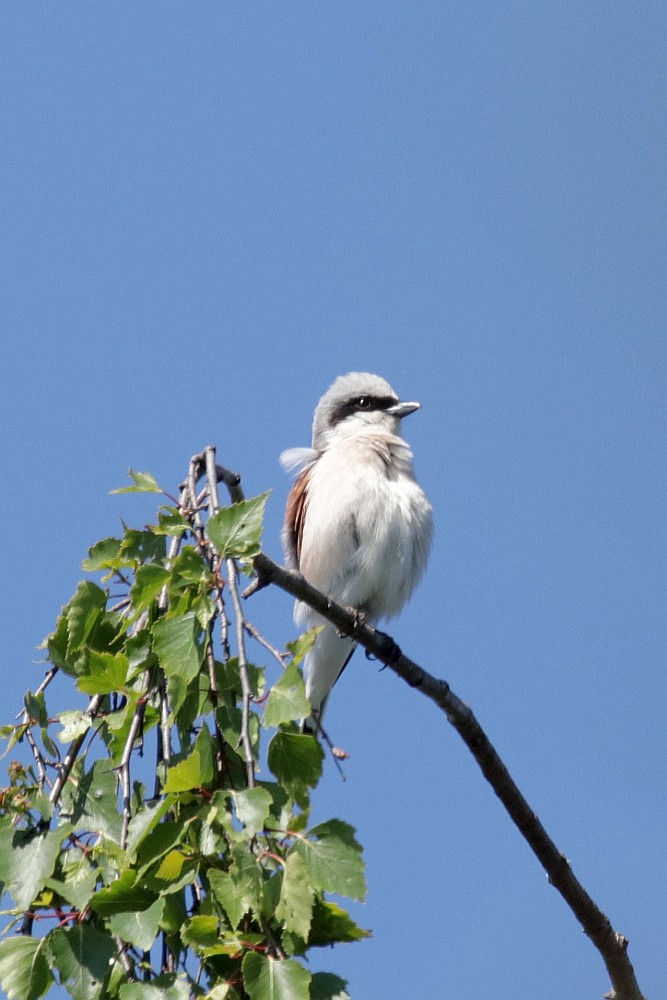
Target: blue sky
{"type": "Point", "coordinates": [211, 210]}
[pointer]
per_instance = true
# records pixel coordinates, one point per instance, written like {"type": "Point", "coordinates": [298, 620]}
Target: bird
{"type": "Point", "coordinates": [357, 524]}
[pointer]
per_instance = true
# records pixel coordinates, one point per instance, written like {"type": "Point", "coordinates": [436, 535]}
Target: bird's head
{"type": "Point", "coordinates": [354, 403]}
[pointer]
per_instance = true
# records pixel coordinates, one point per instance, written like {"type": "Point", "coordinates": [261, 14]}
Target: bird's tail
{"type": "Point", "coordinates": [322, 667]}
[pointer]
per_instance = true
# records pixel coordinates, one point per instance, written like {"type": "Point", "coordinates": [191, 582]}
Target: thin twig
{"type": "Point", "coordinates": [124, 767]}
{"type": "Point", "coordinates": [246, 690]}
{"type": "Point", "coordinates": [75, 746]}
{"type": "Point", "coordinates": [257, 635]}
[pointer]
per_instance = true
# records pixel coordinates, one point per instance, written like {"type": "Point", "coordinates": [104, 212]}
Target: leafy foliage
{"type": "Point", "coordinates": [140, 856]}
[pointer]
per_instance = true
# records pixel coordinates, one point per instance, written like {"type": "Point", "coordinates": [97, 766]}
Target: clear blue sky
{"type": "Point", "coordinates": [209, 211]}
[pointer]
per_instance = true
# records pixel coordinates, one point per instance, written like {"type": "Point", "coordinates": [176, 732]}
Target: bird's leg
{"type": "Point", "coordinates": [359, 620]}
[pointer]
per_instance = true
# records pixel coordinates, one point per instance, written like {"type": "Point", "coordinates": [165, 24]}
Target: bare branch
{"type": "Point", "coordinates": [75, 746]}
{"type": "Point", "coordinates": [611, 945]}
{"type": "Point", "coordinates": [124, 767]}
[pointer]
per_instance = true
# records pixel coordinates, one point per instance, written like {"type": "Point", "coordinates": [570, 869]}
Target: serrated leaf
{"type": "Point", "coordinates": [24, 970]}
{"type": "Point", "coordinates": [295, 907]}
{"type": "Point", "coordinates": [148, 582]}
{"type": "Point", "coordinates": [171, 866]}
{"type": "Point", "coordinates": [143, 823]}
{"type": "Point", "coordinates": [138, 927]}
{"type": "Point", "coordinates": [83, 956]}
{"type": "Point", "coordinates": [101, 673]}
{"type": "Point", "coordinates": [175, 644]}
{"type": "Point", "coordinates": [144, 482]}
{"type": "Point", "coordinates": [241, 888]}
{"type": "Point", "coordinates": [78, 887]}
{"type": "Point", "coordinates": [91, 800]}
{"type": "Point", "coordinates": [332, 924]}
{"type": "Point", "coordinates": [122, 896]}
{"type": "Point", "coordinates": [236, 531]}
{"type": "Point", "coordinates": [252, 808]}
{"type": "Point", "coordinates": [303, 645]}
{"type": "Point", "coordinates": [185, 775]}
{"type": "Point", "coordinates": [201, 932]}
{"type": "Point", "coordinates": [104, 554]}
{"type": "Point", "coordinates": [223, 991]}
{"type": "Point", "coordinates": [35, 706]}
{"type": "Point", "coordinates": [333, 859]}
{"type": "Point", "coordinates": [166, 987]}
{"type": "Point", "coordinates": [74, 724]}
{"type": "Point", "coordinates": [326, 986]}
{"type": "Point", "coordinates": [269, 978]}
{"type": "Point", "coordinates": [83, 613]}
{"type": "Point", "coordinates": [296, 760]}
{"type": "Point", "coordinates": [162, 839]}
{"type": "Point", "coordinates": [27, 860]}
{"type": "Point", "coordinates": [287, 699]}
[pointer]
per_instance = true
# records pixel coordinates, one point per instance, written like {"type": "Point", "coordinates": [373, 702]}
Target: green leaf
{"type": "Point", "coordinates": [171, 522]}
{"type": "Point", "coordinates": [303, 645]}
{"type": "Point", "coordinates": [101, 673]}
{"type": "Point", "coordinates": [35, 706]}
{"type": "Point", "coordinates": [27, 860]}
{"type": "Point", "coordinates": [167, 987]}
{"type": "Point", "coordinates": [287, 699]}
{"type": "Point", "coordinates": [104, 554]}
{"type": "Point", "coordinates": [138, 927]}
{"type": "Point", "coordinates": [333, 925]}
{"type": "Point", "coordinates": [143, 546]}
{"type": "Point", "coordinates": [144, 482]}
{"type": "Point", "coordinates": [295, 907]}
{"type": "Point", "coordinates": [333, 859]}
{"type": "Point", "coordinates": [143, 823]}
{"type": "Point", "coordinates": [24, 970]}
{"type": "Point", "coordinates": [222, 991]}
{"type": "Point", "coordinates": [83, 956]}
{"type": "Point", "coordinates": [78, 887]}
{"type": "Point", "coordinates": [196, 770]}
{"type": "Point", "coordinates": [269, 978]}
{"type": "Point", "coordinates": [252, 808]}
{"type": "Point", "coordinates": [296, 760]}
{"type": "Point", "coordinates": [175, 644]}
{"type": "Point", "coordinates": [74, 724]}
{"type": "Point", "coordinates": [241, 888]}
{"type": "Point", "coordinates": [83, 613]}
{"type": "Point", "coordinates": [326, 986]}
{"type": "Point", "coordinates": [122, 896]}
{"type": "Point", "coordinates": [91, 800]}
{"type": "Point", "coordinates": [201, 932]}
{"type": "Point", "coordinates": [148, 582]}
{"type": "Point", "coordinates": [236, 531]}
{"type": "Point", "coordinates": [162, 839]}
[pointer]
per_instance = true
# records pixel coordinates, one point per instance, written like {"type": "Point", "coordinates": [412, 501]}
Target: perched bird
{"type": "Point", "coordinates": [357, 524]}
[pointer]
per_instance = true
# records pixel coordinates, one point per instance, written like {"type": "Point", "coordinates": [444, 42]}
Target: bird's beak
{"type": "Point", "coordinates": [402, 409]}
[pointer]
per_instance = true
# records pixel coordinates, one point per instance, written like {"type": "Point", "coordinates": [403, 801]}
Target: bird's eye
{"type": "Point", "coordinates": [363, 403]}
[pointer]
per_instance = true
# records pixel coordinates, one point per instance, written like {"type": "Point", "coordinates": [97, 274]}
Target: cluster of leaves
{"type": "Point", "coordinates": [139, 854]}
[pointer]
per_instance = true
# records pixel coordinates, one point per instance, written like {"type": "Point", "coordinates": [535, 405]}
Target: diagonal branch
{"type": "Point", "coordinates": [611, 945]}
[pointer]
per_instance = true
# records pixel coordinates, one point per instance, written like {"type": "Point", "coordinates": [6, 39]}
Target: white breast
{"type": "Point", "coordinates": [368, 526]}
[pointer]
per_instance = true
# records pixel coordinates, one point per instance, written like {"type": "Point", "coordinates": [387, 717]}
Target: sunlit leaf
{"type": "Point", "coordinates": [122, 896]}
{"type": "Point", "coordinates": [236, 531]}
{"type": "Point", "coordinates": [269, 978]}
{"type": "Point", "coordinates": [333, 859]}
{"type": "Point", "coordinates": [83, 956]}
{"type": "Point", "coordinates": [295, 907]}
{"type": "Point", "coordinates": [138, 927]}
{"type": "Point", "coordinates": [27, 860]}
{"type": "Point", "coordinates": [287, 699]}
{"type": "Point", "coordinates": [143, 482]}
{"type": "Point", "coordinates": [24, 971]}
{"type": "Point", "coordinates": [252, 808]}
